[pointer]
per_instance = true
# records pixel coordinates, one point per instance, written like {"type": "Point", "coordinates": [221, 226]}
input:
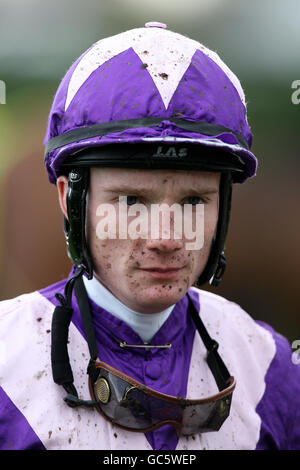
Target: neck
{"type": "Point", "coordinates": [145, 325]}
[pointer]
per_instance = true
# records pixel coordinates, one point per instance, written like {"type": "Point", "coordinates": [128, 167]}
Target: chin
{"type": "Point", "coordinates": [156, 299]}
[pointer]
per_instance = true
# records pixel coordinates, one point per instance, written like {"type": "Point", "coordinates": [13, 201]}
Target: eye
{"type": "Point", "coordinates": [194, 200]}
{"type": "Point", "coordinates": [131, 200]}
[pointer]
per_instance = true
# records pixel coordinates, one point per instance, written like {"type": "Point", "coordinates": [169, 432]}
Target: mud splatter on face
{"type": "Point", "coordinates": [123, 265]}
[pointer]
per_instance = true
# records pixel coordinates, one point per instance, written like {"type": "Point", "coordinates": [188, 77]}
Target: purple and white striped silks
{"type": "Point", "coordinates": [33, 415]}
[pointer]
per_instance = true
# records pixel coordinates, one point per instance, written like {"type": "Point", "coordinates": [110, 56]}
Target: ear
{"type": "Point", "coordinates": [62, 188]}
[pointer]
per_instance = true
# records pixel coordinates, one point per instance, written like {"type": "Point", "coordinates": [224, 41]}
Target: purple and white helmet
{"type": "Point", "coordinates": [148, 85]}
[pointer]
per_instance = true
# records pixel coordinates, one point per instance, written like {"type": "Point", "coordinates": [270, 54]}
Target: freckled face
{"type": "Point", "coordinates": [151, 273]}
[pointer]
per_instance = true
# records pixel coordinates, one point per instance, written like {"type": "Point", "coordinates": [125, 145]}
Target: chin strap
{"type": "Point", "coordinates": [221, 266]}
{"type": "Point", "coordinates": [216, 264]}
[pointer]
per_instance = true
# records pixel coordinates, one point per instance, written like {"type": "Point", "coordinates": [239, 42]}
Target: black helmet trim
{"type": "Point", "coordinates": [200, 127]}
{"type": "Point", "coordinates": [156, 156]}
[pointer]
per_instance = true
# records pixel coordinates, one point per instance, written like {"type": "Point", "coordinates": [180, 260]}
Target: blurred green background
{"type": "Point", "coordinates": [258, 40]}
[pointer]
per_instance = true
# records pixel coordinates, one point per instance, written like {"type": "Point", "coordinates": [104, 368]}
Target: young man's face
{"type": "Point", "coordinates": [149, 274]}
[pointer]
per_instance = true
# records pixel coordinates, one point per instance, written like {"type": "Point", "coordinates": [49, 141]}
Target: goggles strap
{"type": "Point", "coordinates": [74, 401]}
{"type": "Point", "coordinates": [215, 363]}
{"type": "Point", "coordinates": [61, 368]}
{"type": "Point", "coordinates": [85, 311]}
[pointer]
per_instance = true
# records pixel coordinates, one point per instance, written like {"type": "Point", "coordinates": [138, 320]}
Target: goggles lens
{"type": "Point", "coordinates": [134, 406]}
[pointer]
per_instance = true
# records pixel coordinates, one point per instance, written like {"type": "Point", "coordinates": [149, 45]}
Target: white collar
{"type": "Point", "coordinates": [144, 324]}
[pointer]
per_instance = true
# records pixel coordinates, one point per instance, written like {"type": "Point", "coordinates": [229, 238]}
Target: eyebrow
{"type": "Point", "coordinates": [128, 190]}
{"type": "Point", "coordinates": [125, 189]}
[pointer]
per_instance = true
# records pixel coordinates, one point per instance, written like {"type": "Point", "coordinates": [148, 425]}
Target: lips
{"type": "Point", "coordinates": [162, 270]}
{"type": "Point", "coordinates": [165, 272]}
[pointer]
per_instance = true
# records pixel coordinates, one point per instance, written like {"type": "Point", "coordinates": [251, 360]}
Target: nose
{"type": "Point", "coordinates": [165, 234]}
{"type": "Point", "coordinates": [164, 245]}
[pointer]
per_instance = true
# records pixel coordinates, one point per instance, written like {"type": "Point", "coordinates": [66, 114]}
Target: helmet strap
{"type": "Point", "coordinates": [74, 226]}
{"type": "Point", "coordinates": [216, 263]}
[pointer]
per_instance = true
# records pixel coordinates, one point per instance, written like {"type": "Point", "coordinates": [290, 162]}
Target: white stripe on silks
{"type": "Point", "coordinates": [247, 350]}
{"type": "Point", "coordinates": [173, 59]}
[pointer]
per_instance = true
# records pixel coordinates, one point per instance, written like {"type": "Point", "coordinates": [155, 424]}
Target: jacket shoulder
{"type": "Point", "coordinates": [32, 302]}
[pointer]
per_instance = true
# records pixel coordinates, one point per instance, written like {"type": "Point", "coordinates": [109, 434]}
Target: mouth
{"type": "Point", "coordinates": [162, 273]}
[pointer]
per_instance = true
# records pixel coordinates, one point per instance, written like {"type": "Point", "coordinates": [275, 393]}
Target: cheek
{"type": "Point", "coordinates": [114, 260]}
{"type": "Point", "coordinates": [210, 222]}
{"type": "Point", "coordinates": [110, 256]}
{"type": "Point", "coordinates": [198, 258]}
{"type": "Point", "coordinates": [107, 256]}
{"type": "Point", "coordinates": [102, 251]}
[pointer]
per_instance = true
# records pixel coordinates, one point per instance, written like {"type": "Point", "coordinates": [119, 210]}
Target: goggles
{"type": "Point", "coordinates": [133, 406]}
{"type": "Point", "coordinates": [128, 403]}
